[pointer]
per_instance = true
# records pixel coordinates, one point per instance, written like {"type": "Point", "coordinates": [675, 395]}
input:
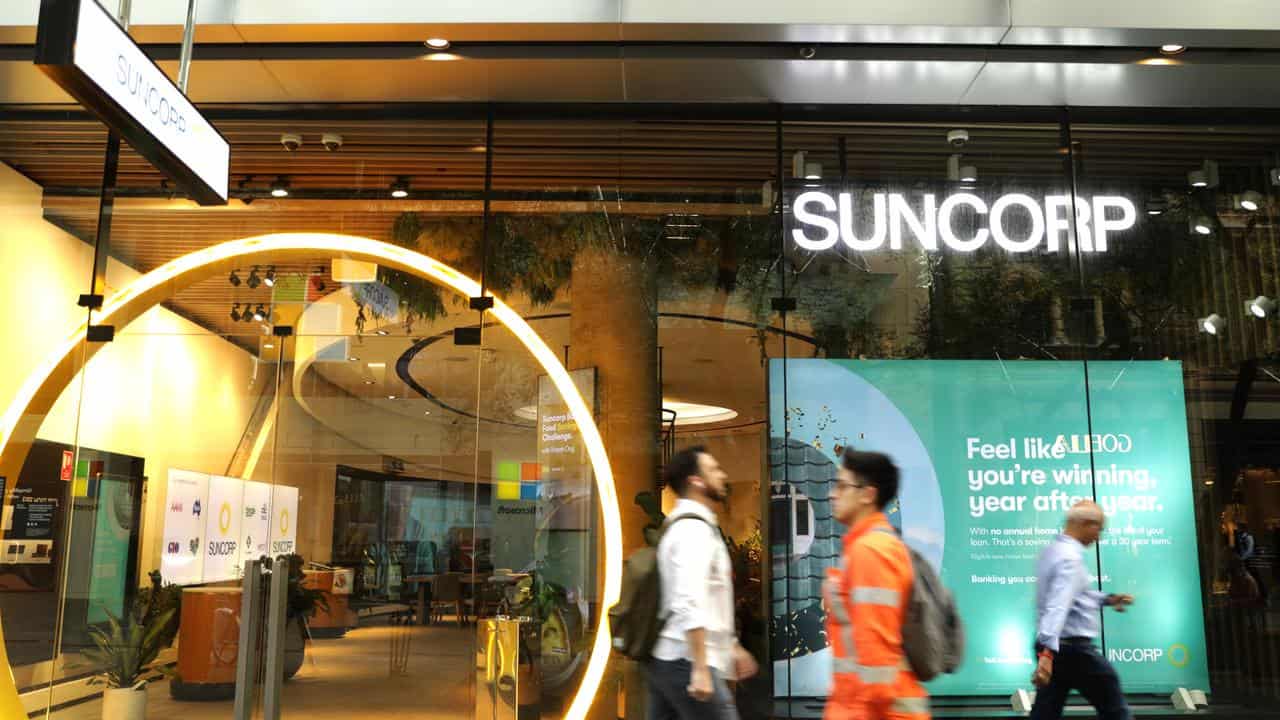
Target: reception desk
{"type": "Point", "coordinates": [208, 644]}
{"type": "Point", "coordinates": [337, 591]}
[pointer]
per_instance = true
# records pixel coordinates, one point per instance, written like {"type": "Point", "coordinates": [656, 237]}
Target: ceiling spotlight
{"type": "Point", "coordinates": [437, 43]}
{"type": "Point", "coordinates": [960, 173]}
{"type": "Point", "coordinates": [380, 331]}
{"type": "Point", "coordinates": [391, 397]}
{"type": "Point", "coordinates": [254, 281]}
{"type": "Point", "coordinates": [1201, 225]}
{"type": "Point", "coordinates": [235, 312]}
{"type": "Point", "coordinates": [280, 188]}
{"type": "Point", "coordinates": [260, 313]}
{"type": "Point", "coordinates": [1172, 49]}
{"type": "Point", "coordinates": [270, 278]}
{"type": "Point", "coordinates": [1156, 205]}
{"type": "Point", "coordinates": [1261, 306]}
{"type": "Point", "coordinates": [353, 358]}
{"type": "Point", "coordinates": [1204, 176]}
{"type": "Point", "coordinates": [812, 171]}
{"type": "Point", "coordinates": [400, 188]}
{"type": "Point", "coordinates": [797, 164]}
{"type": "Point", "coordinates": [1213, 325]}
{"type": "Point", "coordinates": [234, 279]}
{"type": "Point", "coordinates": [268, 346]}
{"type": "Point", "coordinates": [428, 412]}
{"type": "Point", "coordinates": [1249, 201]}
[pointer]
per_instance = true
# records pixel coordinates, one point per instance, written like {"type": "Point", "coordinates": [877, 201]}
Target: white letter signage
{"type": "Point", "coordinates": [1017, 222]}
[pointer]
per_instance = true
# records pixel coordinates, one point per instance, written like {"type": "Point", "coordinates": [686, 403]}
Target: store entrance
{"type": "Point", "coordinates": [339, 509]}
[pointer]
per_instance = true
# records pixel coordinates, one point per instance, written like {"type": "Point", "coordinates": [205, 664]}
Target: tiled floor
{"type": "Point", "coordinates": [353, 677]}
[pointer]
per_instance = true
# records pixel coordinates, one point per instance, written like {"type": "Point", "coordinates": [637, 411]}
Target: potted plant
{"type": "Point", "coordinates": [124, 651]}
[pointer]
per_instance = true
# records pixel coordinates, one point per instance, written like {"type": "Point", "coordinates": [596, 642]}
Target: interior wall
{"type": "Point", "coordinates": [741, 455]}
{"type": "Point", "coordinates": [165, 390]}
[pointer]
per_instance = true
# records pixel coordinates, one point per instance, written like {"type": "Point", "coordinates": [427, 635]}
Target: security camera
{"type": "Point", "coordinates": [958, 138]}
{"type": "Point", "coordinates": [291, 141]}
{"type": "Point", "coordinates": [808, 53]}
{"type": "Point", "coordinates": [331, 141]}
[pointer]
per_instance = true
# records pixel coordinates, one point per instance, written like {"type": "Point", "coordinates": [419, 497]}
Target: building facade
{"type": "Point", "coordinates": [483, 266]}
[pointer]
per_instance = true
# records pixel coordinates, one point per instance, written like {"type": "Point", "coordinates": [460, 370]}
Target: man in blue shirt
{"type": "Point", "coordinates": [1069, 620]}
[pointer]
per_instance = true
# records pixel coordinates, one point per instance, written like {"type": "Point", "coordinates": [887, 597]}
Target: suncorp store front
{"type": "Point", "coordinates": [372, 438]}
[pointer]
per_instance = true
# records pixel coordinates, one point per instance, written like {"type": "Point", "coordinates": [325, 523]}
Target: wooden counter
{"type": "Point", "coordinates": [208, 644]}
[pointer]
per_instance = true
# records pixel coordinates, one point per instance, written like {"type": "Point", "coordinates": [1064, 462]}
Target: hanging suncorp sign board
{"type": "Point", "coordinates": [83, 49]}
{"type": "Point", "coordinates": [961, 221]}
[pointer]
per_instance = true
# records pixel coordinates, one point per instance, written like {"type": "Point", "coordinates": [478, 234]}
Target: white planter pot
{"type": "Point", "coordinates": [124, 704]}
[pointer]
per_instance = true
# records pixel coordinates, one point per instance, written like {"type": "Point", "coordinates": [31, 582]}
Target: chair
{"type": "Point", "coordinates": [447, 590]}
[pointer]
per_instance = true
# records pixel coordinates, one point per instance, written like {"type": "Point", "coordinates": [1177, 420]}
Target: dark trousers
{"type": "Point", "coordinates": [669, 694]}
{"type": "Point", "coordinates": [1080, 666]}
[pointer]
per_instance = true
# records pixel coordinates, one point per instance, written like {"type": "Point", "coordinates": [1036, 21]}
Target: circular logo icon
{"type": "Point", "coordinates": [284, 522]}
{"type": "Point", "coordinates": [1179, 655]}
{"type": "Point", "coordinates": [224, 518]}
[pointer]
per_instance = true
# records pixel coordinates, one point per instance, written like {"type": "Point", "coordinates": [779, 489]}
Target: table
{"type": "Point", "coordinates": [468, 581]}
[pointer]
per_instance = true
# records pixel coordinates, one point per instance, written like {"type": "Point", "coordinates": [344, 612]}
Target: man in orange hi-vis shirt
{"type": "Point", "coordinates": [866, 600]}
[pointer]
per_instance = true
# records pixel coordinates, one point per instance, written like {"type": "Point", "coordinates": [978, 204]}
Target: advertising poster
{"type": "Point", "coordinates": [182, 557]}
{"type": "Point", "coordinates": [223, 513]}
{"type": "Point", "coordinates": [113, 526]}
{"type": "Point", "coordinates": [284, 515]}
{"type": "Point", "coordinates": [255, 525]}
{"type": "Point", "coordinates": [992, 456]}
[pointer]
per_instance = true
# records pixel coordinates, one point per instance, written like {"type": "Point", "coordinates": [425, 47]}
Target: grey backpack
{"type": "Point", "coordinates": [932, 635]}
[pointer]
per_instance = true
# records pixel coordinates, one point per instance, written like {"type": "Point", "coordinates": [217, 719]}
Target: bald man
{"type": "Point", "coordinates": [1069, 620]}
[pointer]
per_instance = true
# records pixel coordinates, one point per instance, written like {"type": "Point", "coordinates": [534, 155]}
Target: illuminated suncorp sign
{"type": "Point", "coordinates": [1016, 222]}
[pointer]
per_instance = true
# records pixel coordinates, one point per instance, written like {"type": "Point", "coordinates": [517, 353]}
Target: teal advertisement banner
{"type": "Point", "coordinates": [992, 456]}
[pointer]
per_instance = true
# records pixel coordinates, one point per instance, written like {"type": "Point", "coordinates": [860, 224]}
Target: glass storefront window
{"type": "Point", "coordinates": [1047, 310]}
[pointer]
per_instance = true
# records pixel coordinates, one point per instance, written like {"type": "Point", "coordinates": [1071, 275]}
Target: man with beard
{"type": "Point", "coordinates": [697, 652]}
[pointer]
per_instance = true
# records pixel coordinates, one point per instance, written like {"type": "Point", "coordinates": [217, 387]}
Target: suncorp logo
{"type": "Point", "coordinates": [224, 518]}
{"type": "Point", "coordinates": [1177, 655]}
{"type": "Point", "coordinates": [1016, 222]}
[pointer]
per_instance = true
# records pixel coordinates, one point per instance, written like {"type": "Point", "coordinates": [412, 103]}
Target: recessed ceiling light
{"type": "Point", "coordinates": [437, 43]}
{"type": "Point", "coordinates": [380, 331]}
{"type": "Point", "coordinates": [391, 397]}
{"type": "Point", "coordinates": [280, 188]}
{"type": "Point", "coordinates": [377, 365]}
{"type": "Point", "coordinates": [400, 189]}
{"type": "Point", "coordinates": [368, 382]}
{"type": "Point", "coordinates": [353, 358]}
{"type": "Point", "coordinates": [267, 346]}
{"type": "Point", "coordinates": [1172, 48]}
{"type": "Point", "coordinates": [427, 412]}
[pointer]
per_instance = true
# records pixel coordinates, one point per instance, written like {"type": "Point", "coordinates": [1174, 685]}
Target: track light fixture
{"type": "Point", "coordinates": [234, 279]}
{"type": "Point", "coordinates": [1206, 176]}
{"type": "Point", "coordinates": [1261, 306]}
{"type": "Point", "coordinates": [960, 173]}
{"type": "Point", "coordinates": [812, 171]}
{"type": "Point", "coordinates": [280, 188]}
{"type": "Point", "coordinates": [235, 312]}
{"type": "Point", "coordinates": [400, 188]}
{"type": "Point", "coordinates": [1156, 205]}
{"type": "Point", "coordinates": [1249, 201]}
{"type": "Point", "coordinates": [270, 278]}
{"type": "Point", "coordinates": [254, 280]}
{"type": "Point", "coordinates": [798, 164]}
{"type": "Point", "coordinates": [438, 43]}
{"type": "Point", "coordinates": [1172, 49]}
{"type": "Point", "coordinates": [259, 313]}
{"type": "Point", "coordinates": [1213, 324]}
{"type": "Point", "coordinates": [1201, 225]}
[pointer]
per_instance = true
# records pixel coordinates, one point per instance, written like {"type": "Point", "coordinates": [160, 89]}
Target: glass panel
{"type": "Point", "coordinates": [1182, 396]}
{"type": "Point", "coordinates": [935, 320]}
{"type": "Point", "coordinates": [169, 433]}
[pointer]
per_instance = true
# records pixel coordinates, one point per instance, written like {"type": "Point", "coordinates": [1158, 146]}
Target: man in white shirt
{"type": "Point", "coordinates": [697, 652]}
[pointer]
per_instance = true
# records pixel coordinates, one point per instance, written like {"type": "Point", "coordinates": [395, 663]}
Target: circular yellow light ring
{"type": "Point", "coordinates": [21, 420]}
